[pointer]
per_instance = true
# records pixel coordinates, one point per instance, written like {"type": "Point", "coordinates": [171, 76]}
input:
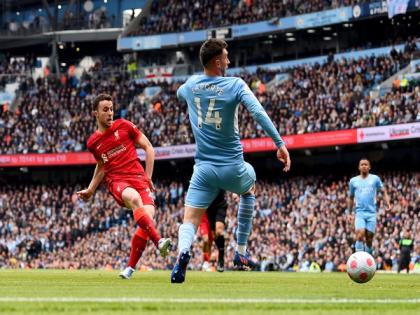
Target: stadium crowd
{"type": "Point", "coordinates": [54, 115]}
{"type": "Point", "coordinates": [37, 22]}
{"type": "Point", "coordinates": [300, 224]}
{"type": "Point", "coordinates": [182, 15]}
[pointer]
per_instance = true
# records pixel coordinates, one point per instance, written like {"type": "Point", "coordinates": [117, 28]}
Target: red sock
{"type": "Point", "coordinates": [146, 223]}
{"type": "Point", "coordinates": [138, 244]}
{"type": "Point", "coordinates": [206, 257]}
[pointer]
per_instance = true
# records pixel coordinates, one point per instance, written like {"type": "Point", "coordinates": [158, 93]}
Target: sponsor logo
{"type": "Point", "coordinates": [115, 151]}
{"type": "Point", "coordinates": [111, 153]}
{"type": "Point", "coordinates": [399, 132]}
{"type": "Point", "coordinates": [415, 129]}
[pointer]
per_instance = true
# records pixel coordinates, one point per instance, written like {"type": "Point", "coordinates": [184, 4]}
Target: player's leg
{"type": "Point", "coordinates": [138, 245]}
{"type": "Point", "coordinates": [407, 262]}
{"type": "Point", "coordinates": [360, 226]}
{"type": "Point", "coordinates": [143, 216]}
{"type": "Point", "coordinates": [401, 262]}
{"type": "Point", "coordinates": [369, 241]}
{"type": "Point", "coordinates": [218, 225]}
{"type": "Point", "coordinates": [205, 232]}
{"type": "Point", "coordinates": [245, 217]}
{"type": "Point", "coordinates": [242, 182]}
{"type": "Point", "coordinates": [200, 195]}
{"type": "Point", "coordinates": [370, 231]}
{"type": "Point", "coordinates": [246, 209]}
{"type": "Point", "coordinates": [220, 243]}
{"type": "Point", "coordinates": [187, 230]}
{"type": "Point", "coordinates": [130, 193]}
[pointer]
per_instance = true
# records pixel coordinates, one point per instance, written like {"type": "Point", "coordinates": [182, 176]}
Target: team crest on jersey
{"type": "Point", "coordinates": [104, 158]}
{"type": "Point", "coordinates": [117, 135]}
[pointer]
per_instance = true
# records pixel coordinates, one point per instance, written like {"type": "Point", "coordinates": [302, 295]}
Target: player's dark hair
{"type": "Point", "coordinates": [364, 159]}
{"type": "Point", "coordinates": [210, 49]}
{"type": "Point", "coordinates": [100, 98]}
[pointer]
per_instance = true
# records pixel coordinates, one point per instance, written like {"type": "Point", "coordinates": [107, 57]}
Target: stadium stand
{"type": "Point", "coordinates": [54, 115]}
{"type": "Point", "coordinates": [182, 15]}
{"type": "Point", "coordinates": [300, 221]}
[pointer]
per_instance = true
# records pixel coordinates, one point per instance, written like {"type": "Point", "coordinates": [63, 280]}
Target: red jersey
{"type": "Point", "coordinates": [116, 148]}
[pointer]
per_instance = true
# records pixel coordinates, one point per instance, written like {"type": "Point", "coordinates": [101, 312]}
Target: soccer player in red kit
{"type": "Point", "coordinates": [114, 148]}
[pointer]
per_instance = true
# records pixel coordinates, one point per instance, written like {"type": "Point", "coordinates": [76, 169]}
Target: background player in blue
{"type": "Point", "coordinates": [363, 188]}
{"type": "Point", "coordinates": [213, 102]}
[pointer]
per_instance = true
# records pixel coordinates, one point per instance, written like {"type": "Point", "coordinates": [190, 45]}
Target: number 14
{"type": "Point", "coordinates": [212, 117]}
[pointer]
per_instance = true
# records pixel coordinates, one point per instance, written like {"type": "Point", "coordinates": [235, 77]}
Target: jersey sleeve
{"type": "Point", "coordinates": [248, 99]}
{"type": "Point", "coordinates": [180, 93]}
{"type": "Point", "coordinates": [92, 150]}
{"type": "Point", "coordinates": [351, 188]}
{"type": "Point", "coordinates": [133, 132]}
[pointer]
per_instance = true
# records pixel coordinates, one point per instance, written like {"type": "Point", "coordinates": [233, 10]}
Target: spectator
{"type": "Point", "coordinates": [325, 97]}
{"type": "Point", "coordinates": [48, 227]}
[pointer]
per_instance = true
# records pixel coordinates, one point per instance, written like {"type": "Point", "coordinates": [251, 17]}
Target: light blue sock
{"type": "Point", "coordinates": [186, 237]}
{"type": "Point", "coordinates": [359, 246]}
{"type": "Point", "coordinates": [368, 249]}
{"type": "Point", "coordinates": [245, 212]}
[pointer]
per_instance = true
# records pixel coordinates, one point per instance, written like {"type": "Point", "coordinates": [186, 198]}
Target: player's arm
{"type": "Point", "coordinates": [180, 93]}
{"type": "Point", "coordinates": [350, 201]}
{"type": "Point", "coordinates": [144, 143]}
{"type": "Point", "coordinates": [386, 198]}
{"type": "Point", "coordinates": [350, 204]}
{"type": "Point", "coordinates": [380, 185]}
{"type": "Point", "coordinates": [248, 98]}
{"type": "Point", "coordinates": [98, 176]}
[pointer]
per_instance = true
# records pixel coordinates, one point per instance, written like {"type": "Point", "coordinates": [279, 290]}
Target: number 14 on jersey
{"type": "Point", "coordinates": [212, 116]}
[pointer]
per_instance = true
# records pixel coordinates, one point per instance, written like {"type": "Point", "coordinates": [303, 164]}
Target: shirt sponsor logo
{"type": "Point", "coordinates": [115, 151]}
{"type": "Point", "coordinates": [111, 153]}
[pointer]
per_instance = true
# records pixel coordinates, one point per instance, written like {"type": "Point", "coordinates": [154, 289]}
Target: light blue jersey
{"type": "Point", "coordinates": [364, 190]}
{"type": "Point", "coordinates": [213, 112]}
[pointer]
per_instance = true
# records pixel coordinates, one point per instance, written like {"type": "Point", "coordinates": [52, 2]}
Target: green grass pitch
{"type": "Point", "coordinates": [101, 292]}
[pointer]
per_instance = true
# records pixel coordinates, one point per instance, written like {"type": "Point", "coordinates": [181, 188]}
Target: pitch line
{"type": "Point", "coordinates": [205, 300]}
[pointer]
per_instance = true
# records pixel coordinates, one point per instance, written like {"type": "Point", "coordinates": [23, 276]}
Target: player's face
{"type": "Point", "coordinates": [364, 166]}
{"type": "Point", "coordinates": [105, 114]}
{"type": "Point", "coordinates": [222, 62]}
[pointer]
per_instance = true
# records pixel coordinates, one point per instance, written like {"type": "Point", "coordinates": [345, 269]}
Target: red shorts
{"type": "Point", "coordinates": [117, 186]}
{"type": "Point", "coordinates": [205, 227]}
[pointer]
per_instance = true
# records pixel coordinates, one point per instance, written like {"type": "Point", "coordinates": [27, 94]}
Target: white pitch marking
{"type": "Point", "coordinates": [207, 300]}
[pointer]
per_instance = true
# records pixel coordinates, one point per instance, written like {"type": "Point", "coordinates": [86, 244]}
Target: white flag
{"type": "Point", "coordinates": [397, 7]}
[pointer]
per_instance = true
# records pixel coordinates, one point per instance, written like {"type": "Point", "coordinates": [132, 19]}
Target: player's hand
{"type": "Point", "coordinates": [85, 194]}
{"type": "Point", "coordinates": [283, 156]}
{"type": "Point", "coordinates": [151, 186]}
{"type": "Point", "coordinates": [350, 218]}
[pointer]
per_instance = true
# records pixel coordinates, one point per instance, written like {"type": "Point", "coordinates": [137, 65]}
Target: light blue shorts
{"type": "Point", "coordinates": [208, 179]}
{"type": "Point", "coordinates": [365, 220]}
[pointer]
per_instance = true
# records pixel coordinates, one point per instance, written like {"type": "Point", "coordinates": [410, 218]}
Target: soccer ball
{"type": "Point", "coordinates": [361, 267]}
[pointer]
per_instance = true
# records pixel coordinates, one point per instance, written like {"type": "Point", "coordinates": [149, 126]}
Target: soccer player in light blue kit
{"type": "Point", "coordinates": [213, 102]}
{"type": "Point", "coordinates": [363, 188]}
